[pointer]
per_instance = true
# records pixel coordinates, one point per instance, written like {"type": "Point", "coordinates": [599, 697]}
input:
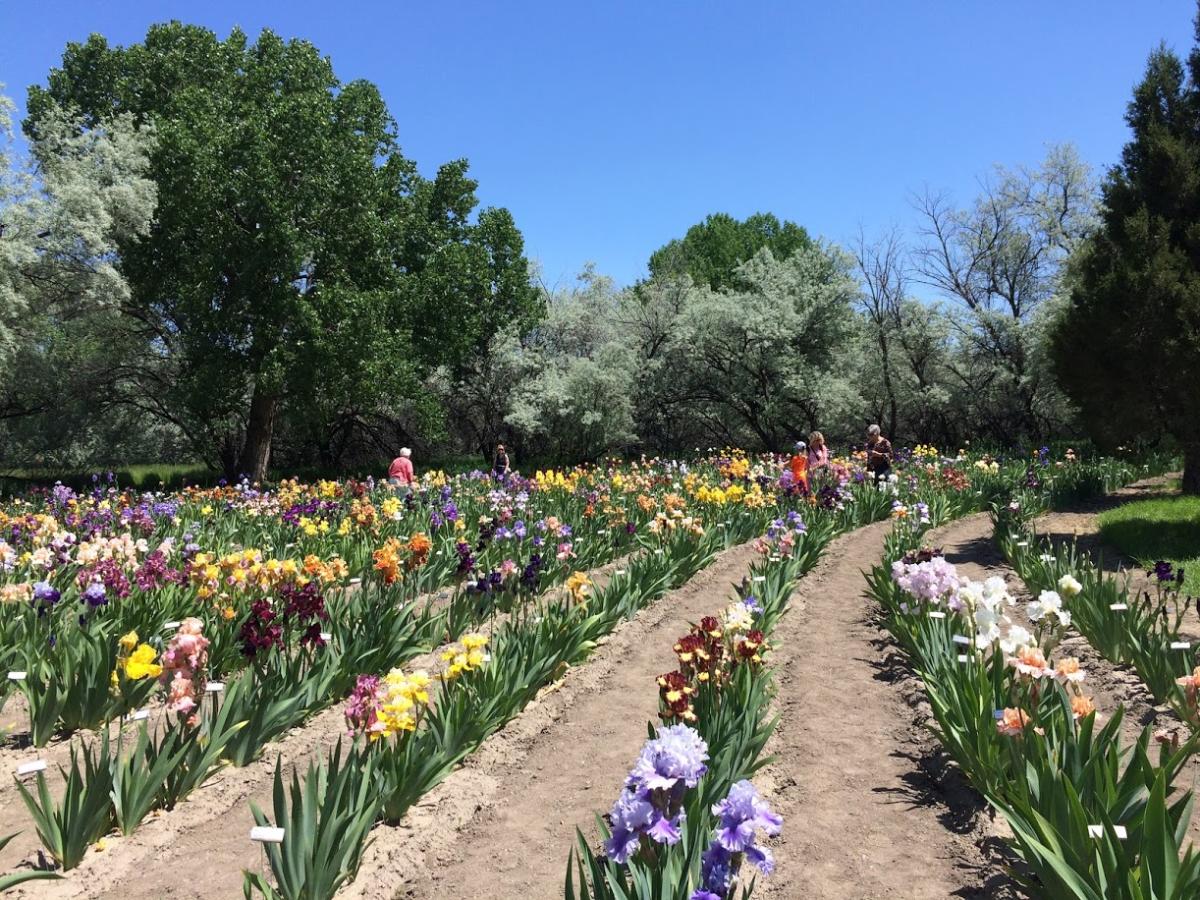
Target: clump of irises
{"type": "Point", "coordinates": [650, 811]}
{"type": "Point", "coordinates": [650, 808]}
{"type": "Point", "coordinates": [740, 817]}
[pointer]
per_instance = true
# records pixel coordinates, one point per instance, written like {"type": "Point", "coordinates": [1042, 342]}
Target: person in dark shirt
{"type": "Point", "coordinates": [500, 467]}
{"type": "Point", "coordinates": [879, 454]}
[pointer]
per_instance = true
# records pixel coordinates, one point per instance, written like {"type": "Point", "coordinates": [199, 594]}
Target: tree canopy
{"type": "Point", "coordinates": [711, 251]}
{"type": "Point", "coordinates": [296, 256]}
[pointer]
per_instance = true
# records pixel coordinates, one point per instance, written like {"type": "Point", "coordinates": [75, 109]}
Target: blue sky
{"type": "Point", "coordinates": [610, 127]}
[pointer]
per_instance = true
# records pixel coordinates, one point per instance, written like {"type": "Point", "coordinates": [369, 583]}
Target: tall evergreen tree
{"type": "Point", "coordinates": [1127, 349]}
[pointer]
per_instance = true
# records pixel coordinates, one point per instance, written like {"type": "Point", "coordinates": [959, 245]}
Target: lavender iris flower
{"type": "Point", "coordinates": [95, 594]}
{"type": "Point", "coordinates": [650, 805]}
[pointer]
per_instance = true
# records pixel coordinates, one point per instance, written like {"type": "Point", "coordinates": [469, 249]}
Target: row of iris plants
{"type": "Point", "coordinates": [1144, 630]}
{"type": "Point", "coordinates": [1091, 816]}
{"type": "Point", "coordinates": [689, 819]}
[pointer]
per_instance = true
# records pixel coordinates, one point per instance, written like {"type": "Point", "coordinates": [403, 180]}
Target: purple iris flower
{"type": "Point", "coordinates": [95, 594]}
{"type": "Point", "coordinates": [45, 595]}
{"type": "Point", "coordinates": [650, 804]}
{"type": "Point", "coordinates": [1163, 571]}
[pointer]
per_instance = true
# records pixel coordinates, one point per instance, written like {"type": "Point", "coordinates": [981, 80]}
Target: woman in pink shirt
{"type": "Point", "coordinates": [400, 472]}
{"type": "Point", "coordinates": [818, 453]}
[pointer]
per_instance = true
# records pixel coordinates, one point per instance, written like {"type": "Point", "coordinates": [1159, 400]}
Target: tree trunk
{"type": "Point", "coordinates": [1191, 469]}
{"type": "Point", "coordinates": [256, 452]}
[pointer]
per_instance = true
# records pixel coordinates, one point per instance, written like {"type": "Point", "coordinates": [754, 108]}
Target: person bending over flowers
{"type": "Point", "coordinates": [401, 474]}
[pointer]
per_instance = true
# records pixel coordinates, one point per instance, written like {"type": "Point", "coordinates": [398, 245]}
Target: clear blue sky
{"type": "Point", "coordinates": [610, 127]}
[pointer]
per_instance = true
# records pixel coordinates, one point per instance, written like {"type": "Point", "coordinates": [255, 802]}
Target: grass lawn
{"type": "Point", "coordinates": [1162, 528]}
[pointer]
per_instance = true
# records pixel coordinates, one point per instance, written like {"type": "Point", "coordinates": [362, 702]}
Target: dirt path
{"type": "Point", "coordinates": [870, 809]}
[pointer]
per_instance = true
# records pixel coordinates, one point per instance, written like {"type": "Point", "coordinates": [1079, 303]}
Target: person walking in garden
{"type": "Point", "coordinates": [500, 467]}
{"type": "Point", "coordinates": [400, 473]}
{"type": "Point", "coordinates": [799, 467]}
{"type": "Point", "coordinates": [879, 454]}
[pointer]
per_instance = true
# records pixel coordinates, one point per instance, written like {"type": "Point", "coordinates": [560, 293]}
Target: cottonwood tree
{"type": "Point", "coordinates": [1000, 260]}
{"type": "Point", "coordinates": [297, 262]}
{"type": "Point", "coordinates": [711, 251]}
{"type": "Point", "coordinates": [881, 267]}
{"type": "Point", "coordinates": [1127, 348]}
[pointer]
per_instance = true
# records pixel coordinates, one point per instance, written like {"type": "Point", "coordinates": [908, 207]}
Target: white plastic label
{"type": "Point", "coordinates": [140, 714]}
{"type": "Point", "coordinates": [936, 614]}
{"type": "Point", "coordinates": [760, 578]}
{"type": "Point", "coordinates": [1181, 645]}
{"type": "Point", "coordinates": [214, 687]}
{"type": "Point", "coordinates": [962, 658]}
{"type": "Point", "coordinates": [326, 636]}
{"type": "Point", "coordinates": [17, 676]}
{"type": "Point", "coordinates": [167, 626]}
{"type": "Point", "coordinates": [356, 581]}
{"type": "Point", "coordinates": [38, 765]}
{"type": "Point", "coordinates": [961, 639]}
{"type": "Point", "coordinates": [1118, 607]}
{"type": "Point", "coordinates": [265, 834]}
{"type": "Point", "coordinates": [619, 572]}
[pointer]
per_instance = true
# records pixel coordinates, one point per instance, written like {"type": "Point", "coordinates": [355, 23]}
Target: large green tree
{"type": "Point", "coordinates": [297, 261]}
{"type": "Point", "coordinates": [1127, 349]}
{"type": "Point", "coordinates": [711, 251]}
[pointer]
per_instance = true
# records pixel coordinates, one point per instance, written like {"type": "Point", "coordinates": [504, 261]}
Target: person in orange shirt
{"type": "Point", "coordinates": [799, 467]}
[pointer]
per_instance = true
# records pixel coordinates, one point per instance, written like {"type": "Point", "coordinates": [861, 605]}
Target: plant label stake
{"type": "Point", "coordinates": [326, 636]}
{"type": "Point", "coordinates": [962, 639]}
{"type": "Point", "coordinates": [936, 614]}
{"type": "Point", "coordinates": [619, 572]}
{"type": "Point", "coordinates": [214, 687]}
{"type": "Point", "coordinates": [759, 578]}
{"type": "Point", "coordinates": [1181, 645]}
{"type": "Point", "coordinates": [17, 676]}
{"type": "Point", "coordinates": [29, 768]}
{"type": "Point", "coordinates": [167, 626]}
{"type": "Point", "coordinates": [962, 658]}
{"type": "Point", "coordinates": [1118, 607]}
{"type": "Point", "coordinates": [139, 715]}
{"type": "Point", "coordinates": [263, 835]}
